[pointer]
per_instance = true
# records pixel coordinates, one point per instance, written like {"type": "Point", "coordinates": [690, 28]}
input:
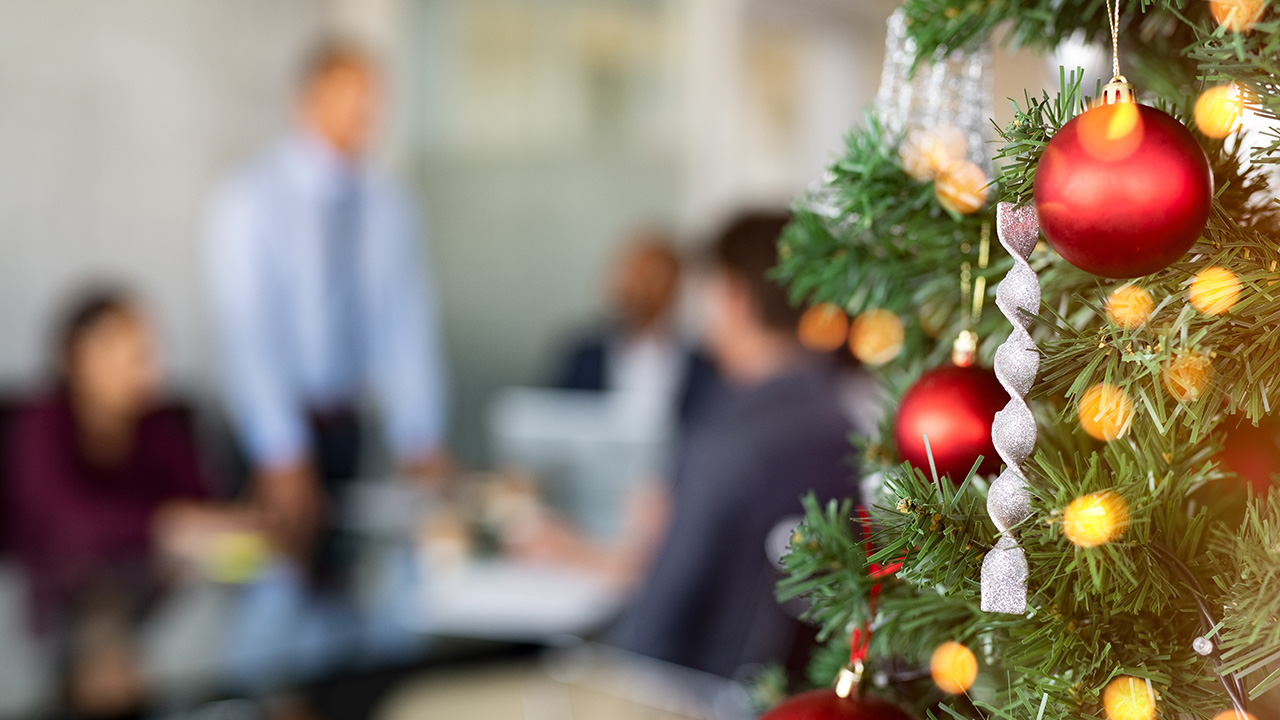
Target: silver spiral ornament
{"type": "Point", "coordinates": [1004, 570]}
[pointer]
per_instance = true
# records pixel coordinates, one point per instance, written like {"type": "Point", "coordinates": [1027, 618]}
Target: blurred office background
{"type": "Point", "coordinates": [536, 133]}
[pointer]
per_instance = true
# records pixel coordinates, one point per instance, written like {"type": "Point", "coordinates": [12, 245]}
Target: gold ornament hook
{"type": "Point", "coordinates": [848, 679]}
{"type": "Point", "coordinates": [1118, 91]}
{"type": "Point", "coordinates": [965, 349]}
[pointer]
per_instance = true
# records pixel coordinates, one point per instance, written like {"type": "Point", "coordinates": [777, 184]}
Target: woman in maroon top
{"type": "Point", "coordinates": [100, 475]}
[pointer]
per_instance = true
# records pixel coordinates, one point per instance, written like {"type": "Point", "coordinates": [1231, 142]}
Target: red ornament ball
{"type": "Point", "coordinates": [1123, 190]}
{"type": "Point", "coordinates": [954, 407]}
{"type": "Point", "coordinates": [827, 705]}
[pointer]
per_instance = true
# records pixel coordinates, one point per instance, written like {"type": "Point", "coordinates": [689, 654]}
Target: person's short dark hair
{"type": "Point", "coordinates": [748, 249]}
{"type": "Point", "coordinates": [333, 53]}
{"type": "Point", "coordinates": [84, 312]}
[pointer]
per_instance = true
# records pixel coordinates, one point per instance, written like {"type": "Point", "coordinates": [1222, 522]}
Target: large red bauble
{"type": "Point", "coordinates": [1123, 190]}
{"type": "Point", "coordinates": [953, 407]}
{"type": "Point", "coordinates": [827, 705]}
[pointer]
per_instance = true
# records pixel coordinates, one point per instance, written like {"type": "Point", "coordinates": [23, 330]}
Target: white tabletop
{"type": "Point", "coordinates": [514, 601]}
{"type": "Point", "coordinates": [491, 599]}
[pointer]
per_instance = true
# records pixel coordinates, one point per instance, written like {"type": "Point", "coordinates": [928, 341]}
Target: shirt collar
{"type": "Point", "coordinates": [318, 166]}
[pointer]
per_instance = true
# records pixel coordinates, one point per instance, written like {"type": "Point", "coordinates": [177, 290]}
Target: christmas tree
{"type": "Point", "coordinates": [1098, 555]}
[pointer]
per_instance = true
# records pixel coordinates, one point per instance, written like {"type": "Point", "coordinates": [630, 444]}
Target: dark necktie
{"type": "Point", "coordinates": [342, 284]}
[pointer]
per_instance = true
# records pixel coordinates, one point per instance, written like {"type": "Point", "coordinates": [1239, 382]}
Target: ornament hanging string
{"type": "Point", "coordinates": [1118, 90]}
{"type": "Point", "coordinates": [973, 294]}
{"type": "Point", "coordinates": [1113, 20]}
{"type": "Point", "coordinates": [973, 291]}
{"type": "Point", "coordinates": [980, 283]}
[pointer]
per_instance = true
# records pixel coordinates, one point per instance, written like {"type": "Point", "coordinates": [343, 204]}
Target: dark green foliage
{"type": "Point", "coordinates": [1250, 634]}
{"type": "Point", "coordinates": [1037, 24]}
{"type": "Point", "coordinates": [829, 569]}
{"type": "Point", "coordinates": [875, 238]}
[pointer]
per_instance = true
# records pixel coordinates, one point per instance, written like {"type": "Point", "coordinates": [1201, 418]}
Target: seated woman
{"type": "Point", "coordinates": [100, 478]}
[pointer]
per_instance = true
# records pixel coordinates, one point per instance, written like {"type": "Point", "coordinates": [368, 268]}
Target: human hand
{"type": "Point", "coordinates": [545, 537]}
{"type": "Point", "coordinates": [293, 505]}
{"type": "Point", "coordinates": [434, 472]}
{"type": "Point", "coordinates": [193, 537]}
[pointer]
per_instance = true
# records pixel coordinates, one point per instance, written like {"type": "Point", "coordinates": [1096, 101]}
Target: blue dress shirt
{"type": "Point", "coordinates": [320, 293]}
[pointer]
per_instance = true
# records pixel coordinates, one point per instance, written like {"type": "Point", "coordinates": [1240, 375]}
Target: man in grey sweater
{"type": "Point", "coordinates": [772, 432]}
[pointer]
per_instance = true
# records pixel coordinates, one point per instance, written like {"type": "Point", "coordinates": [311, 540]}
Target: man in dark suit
{"type": "Point", "coordinates": [639, 351]}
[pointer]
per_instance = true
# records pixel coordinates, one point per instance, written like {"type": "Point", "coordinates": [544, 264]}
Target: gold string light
{"type": "Point", "coordinates": [1105, 412]}
{"type": "Point", "coordinates": [1129, 698]}
{"type": "Point", "coordinates": [1219, 110]}
{"type": "Point", "coordinates": [1095, 519]}
{"type": "Point", "coordinates": [876, 337]}
{"type": "Point", "coordinates": [1213, 291]}
{"type": "Point", "coordinates": [1129, 307]}
{"type": "Point", "coordinates": [823, 327]}
{"type": "Point", "coordinates": [953, 668]}
{"type": "Point", "coordinates": [1186, 375]}
{"type": "Point", "coordinates": [1237, 15]}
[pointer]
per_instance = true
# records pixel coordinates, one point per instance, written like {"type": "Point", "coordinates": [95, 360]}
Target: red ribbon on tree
{"type": "Point", "coordinates": [860, 638]}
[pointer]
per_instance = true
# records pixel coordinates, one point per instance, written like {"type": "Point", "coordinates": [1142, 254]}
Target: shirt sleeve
{"type": "Point", "coordinates": [248, 316]}
{"type": "Point", "coordinates": [405, 358]}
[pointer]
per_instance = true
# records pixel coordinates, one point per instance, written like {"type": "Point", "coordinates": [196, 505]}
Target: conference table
{"type": "Point", "coordinates": [458, 593]}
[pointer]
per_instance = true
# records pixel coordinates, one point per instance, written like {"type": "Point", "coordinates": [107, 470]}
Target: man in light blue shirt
{"type": "Point", "coordinates": [320, 294]}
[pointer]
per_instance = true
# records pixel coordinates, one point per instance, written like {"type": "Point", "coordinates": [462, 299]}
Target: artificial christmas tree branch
{"type": "Point", "coordinates": [1189, 350]}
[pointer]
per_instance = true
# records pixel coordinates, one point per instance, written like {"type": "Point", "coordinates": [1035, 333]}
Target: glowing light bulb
{"type": "Point", "coordinates": [1129, 698]}
{"type": "Point", "coordinates": [823, 327]}
{"type": "Point", "coordinates": [1237, 15]}
{"type": "Point", "coordinates": [954, 667]}
{"type": "Point", "coordinates": [961, 187]}
{"type": "Point", "coordinates": [1105, 412]}
{"type": "Point", "coordinates": [1186, 376]}
{"type": "Point", "coordinates": [1129, 307]}
{"type": "Point", "coordinates": [876, 337]}
{"type": "Point", "coordinates": [1219, 109]}
{"type": "Point", "coordinates": [1095, 519]}
{"type": "Point", "coordinates": [1214, 290]}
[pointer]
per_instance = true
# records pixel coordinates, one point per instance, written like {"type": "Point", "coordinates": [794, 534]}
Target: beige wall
{"type": "Point", "coordinates": [114, 120]}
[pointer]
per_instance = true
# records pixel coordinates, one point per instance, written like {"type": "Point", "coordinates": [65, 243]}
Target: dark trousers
{"type": "Point", "coordinates": [335, 437]}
